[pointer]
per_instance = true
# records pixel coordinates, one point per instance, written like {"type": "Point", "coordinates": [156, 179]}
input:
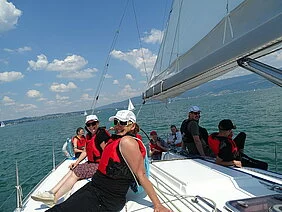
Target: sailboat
{"type": "Point", "coordinates": [85, 113]}
{"type": "Point", "coordinates": [249, 31]}
{"type": "Point", "coordinates": [2, 124]}
{"type": "Point", "coordinates": [130, 105]}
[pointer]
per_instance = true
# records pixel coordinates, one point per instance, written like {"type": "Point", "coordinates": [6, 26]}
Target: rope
{"type": "Point", "coordinates": [181, 195]}
{"type": "Point", "coordinates": [106, 66]}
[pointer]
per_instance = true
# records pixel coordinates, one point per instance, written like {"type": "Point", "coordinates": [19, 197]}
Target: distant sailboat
{"type": "Point", "coordinates": [85, 113]}
{"type": "Point", "coordinates": [130, 106]}
{"type": "Point", "coordinates": [2, 124]}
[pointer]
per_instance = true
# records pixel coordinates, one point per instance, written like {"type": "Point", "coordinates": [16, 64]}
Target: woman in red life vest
{"type": "Point", "coordinates": [96, 139]}
{"type": "Point", "coordinates": [79, 142]}
{"type": "Point", "coordinates": [123, 154]}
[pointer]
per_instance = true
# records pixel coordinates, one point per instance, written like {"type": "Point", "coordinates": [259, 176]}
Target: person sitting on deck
{"type": "Point", "coordinates": [174, 138]}
{"type": "Point", "coordinates": [194, 137]}
{"type": "Point", "coordinates": [122, 161]}
{"type": "Point", "coordinates": [228, 151]}
{"type": "Point", "coordinates": [96, 140]}
{"type": "Point", "coordinates": [157, 146]}
{"type": "Point", "coordinates": [78, 142]}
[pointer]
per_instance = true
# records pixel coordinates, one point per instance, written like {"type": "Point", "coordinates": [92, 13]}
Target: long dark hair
{"type": "Point", "coordinates": [78, 129]}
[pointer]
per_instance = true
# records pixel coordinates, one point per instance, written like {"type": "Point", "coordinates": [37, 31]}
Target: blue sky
{"type": "Point", "coordinates": [52, 53]}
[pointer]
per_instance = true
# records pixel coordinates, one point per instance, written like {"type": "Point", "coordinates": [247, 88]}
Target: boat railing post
{"type": "Point", "coordinates": [19, 190]}
{"type": "Point", "coordinates": [54, 162]}
{"type": "Point", "coordinates": [275, 155]}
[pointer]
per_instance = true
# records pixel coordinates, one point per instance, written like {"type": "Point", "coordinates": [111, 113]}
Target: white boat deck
{"type": "Point", "coordinates": [178, 183]}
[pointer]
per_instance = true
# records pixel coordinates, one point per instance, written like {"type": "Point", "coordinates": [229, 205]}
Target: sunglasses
{"type": "Point", "coordinates": [196, 113]}
{"type": "Point", "coordinates": [91, 123]}
{"type": "Point", "coordinates": [123, 123]}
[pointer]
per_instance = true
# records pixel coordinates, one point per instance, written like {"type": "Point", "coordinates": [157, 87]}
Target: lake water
{"type": "Point", "coordinates": [258, 113]}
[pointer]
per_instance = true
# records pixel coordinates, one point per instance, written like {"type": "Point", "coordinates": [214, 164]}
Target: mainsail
{"type": "Point", "coordinates": [251, 30]}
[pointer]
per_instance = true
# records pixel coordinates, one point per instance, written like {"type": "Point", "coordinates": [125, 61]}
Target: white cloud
{"type": "Point", "coordinates": [135, 58]}
{"type": "Point", "coordinates": [128, 91]}
{"type": "Point", "coordinates": [115, 82]}
{"type": "Point", "coordinates": [25, 107]}
{"type": "Point", "coordinates": [86, 97]}
{"type": "Point", "coordinates": [41, 99]}
{"type": "Point", "coordinates": [107, 76]}
{"type": "Point", "coordinates": [155, 36]}
{"type": "Point", "coordinates": [70, 67]}
{"type": "Point", "coordinates": [61, 98]}
{"type": "Point", "coordinates": [33, 94]}
{"type": "Point", "coordinates": [40, 64]}
{"type": "Point", "coordinates": [10, 76]}
{"type": "Point", "coordinates": [70, 63]}
{"type": "Point", "coordinates": [38, 84]}
{"type": "Point", "coordinates": [9, 15]}
{"type": "Point", "coordinates": [143, 82]}
{"type": "Point", "coordinates": [83, 74]}
{"type": "Point", "coordinates": [60, 88]}
{"type": "Point", "coordinates": [19, 50]}
{"type": "Point", "coordinates": [129, 77]}
{"type": "Point", "coordinates": [8, 101]}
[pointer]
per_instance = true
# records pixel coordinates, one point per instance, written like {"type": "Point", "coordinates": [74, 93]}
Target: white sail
{"type": "Point", "coordinates": [252, 29]}
{"type": "Point", "coordinates": [85, 113]}
{"type": "Point", "coordinates": [2, 124]}
{"type": "Point", "coordinates": [130, 105]}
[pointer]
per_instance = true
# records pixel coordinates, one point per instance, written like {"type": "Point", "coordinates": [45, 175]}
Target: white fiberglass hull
{"type": "Point", "coordinates": [179, 181]}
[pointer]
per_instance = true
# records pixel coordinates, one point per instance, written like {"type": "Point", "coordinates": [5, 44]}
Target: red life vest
{"type": "Point", "coordinates": [112, 163]}
{"type": "Point", "coordinates": [155, 146]}
{"type": "Point", "coordinates": [214, 143]}
{"type": "Point", "coordinates": [80, 142]}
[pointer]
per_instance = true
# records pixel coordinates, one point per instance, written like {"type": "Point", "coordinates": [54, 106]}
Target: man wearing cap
{"type": "Point", "coordinates": [157, 146]}
{"type": "Point", "coordinates": [192, 134]}
{"type": "Point", "coordinates": [223, 146]}
{"type": "Point", "coordinates": [228, 151]}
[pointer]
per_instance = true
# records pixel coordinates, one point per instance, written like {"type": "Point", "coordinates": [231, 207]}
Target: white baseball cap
{"type": "Point", "coordinates": [124, 115]}
{"type": "Point", "coordinates": [194, 109]}
{"type": "Point", "coordinates": [90, 118]}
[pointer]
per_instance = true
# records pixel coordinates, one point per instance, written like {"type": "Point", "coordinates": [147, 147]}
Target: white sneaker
{"type": "Point", "coordinates": [43, 196]}
{"type": "Point", "coordinates": [50, 204]}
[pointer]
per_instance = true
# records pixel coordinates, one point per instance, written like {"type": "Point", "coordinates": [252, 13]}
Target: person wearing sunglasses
{"type": "Point", "coordinates": [194, 137]}
{"type": "Point", "coordinates": [96, 139]}
{"type": "Point", "coordinates": [122, 161]}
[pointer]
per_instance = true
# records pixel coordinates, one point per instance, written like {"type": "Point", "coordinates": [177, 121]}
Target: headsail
{"type": "Point", "coordinates": [2, 124]}
{"type": "Point", "coordinates": [251, 30]}
{"type": "Point", "coordinates": [130, 105]}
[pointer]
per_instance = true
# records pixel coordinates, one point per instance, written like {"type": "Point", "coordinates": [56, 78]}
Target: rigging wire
{"type": "Point", "coordinates": [106, 66]}
{"type": "Point", "coordinates": [140, 44]}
